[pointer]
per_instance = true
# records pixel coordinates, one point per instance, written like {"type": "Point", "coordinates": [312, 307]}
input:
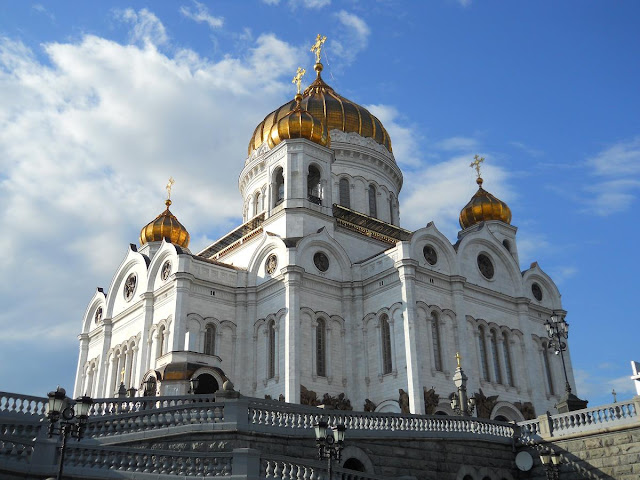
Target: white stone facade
{"type": "Point", "coordinates": [380, 318]}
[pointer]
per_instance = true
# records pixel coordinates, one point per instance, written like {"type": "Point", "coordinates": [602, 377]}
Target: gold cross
{"type": "Point", "coordinates": [298, 78]}
{"type": "Point", "coordinates": [122, 376]}
{"type": "Point", "coordinates": [458, 358]}
{"type": "Point", "coordinates": [168, 187]}
{"type": "Point", "coordinates": [317, 47]}
{"type": "Point", "coordinates": [476, 164]}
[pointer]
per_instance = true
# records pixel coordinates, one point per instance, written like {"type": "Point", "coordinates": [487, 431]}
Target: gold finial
{"type": "Point", "coordinates": [476, 163]}
{"type": "Point", "coordinates": [122, 376]}
{"type": "Point", "coordinates": [168, 187]}
{"type": "Point", "coordinates": [298, 78]}
{"type": "Point", "coordinates": [317, 47]}
{"type": "Point", "coordinates": [458, 358]}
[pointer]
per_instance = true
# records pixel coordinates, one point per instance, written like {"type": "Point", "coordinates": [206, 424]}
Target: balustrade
{"type": "Point", "coordinates": [16, 451]}
{"type": "Point", "coordinates": [285, 469]}
{"type": "Point", "coordinates": [593, 418]}
{"type": "Point", "coordinates": [22, 404]}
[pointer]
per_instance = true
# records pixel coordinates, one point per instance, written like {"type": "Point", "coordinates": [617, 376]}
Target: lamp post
{"type": "Point", "coordinates": [558, 331]}
{"type": "Point", "coordinates": [460, 403]}
{"type": "Point", "coordinates": [551, 462]}
{"type": "Point", "coordinates": [330, 442]}
{"type": "Point", "coordinates": [67, 419]}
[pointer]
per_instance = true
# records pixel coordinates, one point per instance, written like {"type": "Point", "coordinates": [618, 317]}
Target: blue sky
{"type": "Point", "coordinates": [100, 102]}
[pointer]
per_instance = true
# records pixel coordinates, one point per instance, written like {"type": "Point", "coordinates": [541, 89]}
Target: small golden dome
{"type": "Point", "coordinates": [298, 123]}
{"type": "Point", "coordinates": [482, 207]}
{"type": "Point", "coordinates": [336, 112]}
{"type": "Point", "coordinates": [165, 226]}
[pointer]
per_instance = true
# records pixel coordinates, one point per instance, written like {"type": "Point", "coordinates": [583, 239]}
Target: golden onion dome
{"type": "Point", "coordinates": [298, 123]}
{"type": "Point", "coordinates": [336, 112]}
{"type": "Point", "coordinates": [165, 226]}
{"type": "Point", "coordinates": [482, 207]}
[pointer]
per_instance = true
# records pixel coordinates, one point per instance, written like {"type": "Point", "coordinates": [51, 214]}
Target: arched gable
{"type": "Point", "coordinates": [269, 244]}
{"type": "Point", "coordinates": [98, 300]}
{"type": "Point", "coordinates": [134, 262]}
{"type": "Point", "coordinates": [550, 294]}
{"type": "Point", "coordinates": [446, 255]}
{"type": "Point", "coordinates": [339, 261]}
{"type": "Point", "coordinates": [167, 251]}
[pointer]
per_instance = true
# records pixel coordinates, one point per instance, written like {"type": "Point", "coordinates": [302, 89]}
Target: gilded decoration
{"type": "Point", "coordinates": [165, 226]}
{"type": "Point", "coordinates": [333, 111]}
{"type": "Point", "coordinates": [483, 206]}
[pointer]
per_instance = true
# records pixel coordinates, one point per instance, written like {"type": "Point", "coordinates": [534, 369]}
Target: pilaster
{"type": "Point", "coordinates": [104, 367]}
{"type": "Point", "coordinates": [292, 282]}
{"type": "Point", "coordinates": [82, 359]}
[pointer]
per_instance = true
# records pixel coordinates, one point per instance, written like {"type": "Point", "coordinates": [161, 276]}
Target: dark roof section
{"type": "Point", "coordinates": [369, 226]}
{"type": "Point", "coordinates": [233, 238]}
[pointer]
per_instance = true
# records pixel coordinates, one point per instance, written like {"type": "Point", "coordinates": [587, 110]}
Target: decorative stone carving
{"type": "Point", "coordinates": [341, 402]}
{"type": "Point", "coordinates": [129, 287]}
{"type": "Point", "coordinates": [369, 406]}
{"type": "Point", "coordinates": [271, 264]}
{"type": "Point", "coordinates": [403, 400]}
{"type": "Point", "coordinates": [485, 404]}
{"type": "Point", "coordinates": [281, 398]}
{"type": "Point", "coordinates": [98, 316]}
{"type": "Point", "coordinates": [355, 139]}
{"type": "Point", "coordinates": [431, 400]}
{"type": "Point", "coordinates": [308, 397]}
{"type": "Point", "coordinates": [526, 409]}
{"type": "Point", "coordinates": [166, 270]}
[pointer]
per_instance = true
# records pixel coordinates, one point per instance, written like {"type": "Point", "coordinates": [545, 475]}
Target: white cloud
{"type": "Point", "coordinates": [405, 140]}
{"type": "Point", "coordinates": [147, 28]}
{"type": "Point", "coordinates": [464, 3]}
{"type": "Point", "coordinates": [351, 39]}
{"type": "Point", "coordinates": [527, 149]}
{"type": "Point", "coordinates": [88, 139]}
{"type": "Point", "coordinates": [201, 14]}
{"type": "Point", "coordinates": [271, 2]}
{"type": "Point", "coordinates": [459, 143]}
{"type": "Point", "coordinates": [619, 165]}
{"type": "Point", "coordinates": [310, 3]}
{"type": "Point", "coordinates": [38, 7]}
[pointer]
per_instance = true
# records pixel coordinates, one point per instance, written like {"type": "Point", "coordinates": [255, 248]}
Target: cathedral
{"type": "Point", "coordinates": [321, 294]}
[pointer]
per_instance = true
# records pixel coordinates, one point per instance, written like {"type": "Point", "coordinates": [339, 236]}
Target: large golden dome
{"type": "Point", "coordinates": [335, 111]}
{"type": "Point", "coordinates": [165, 226]}
{"type": "Point", "coordinates": [298, 123]}
{"type": "Point", "coordinates": [482, 207]}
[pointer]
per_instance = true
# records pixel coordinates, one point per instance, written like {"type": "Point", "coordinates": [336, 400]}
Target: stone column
{"type": "Point", "coordinates": [103, 386]}
{"type": "Point", "coordinates": [355, 357]}
{"type": "Point", "coordinates": [178, 329]}
{"type": "Point", "coordinates": [292, 344]}
{"type": "Point", "coordinates": [145, 354]}
{"type": "Point", "coordinates": [460, 330]}
{"type": "Point", "coordinates": [82, 359]}
{"type": "Point", "coordinates": [531, 358]}
{"type": "Point", "coordinates": [407, 271]}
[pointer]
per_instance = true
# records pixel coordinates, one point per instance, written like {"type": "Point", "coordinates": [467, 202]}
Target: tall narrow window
{"type": "Point", "coordinates": [547, 368]}
{"type": "Point", "coordinates": [373, 209]}
{"type": "Point", "coordinates": [495, 357]}
{"type": "Point", "coordinates": [345, 193]}
{"type": "Point", "coordinates": [484, 363]}
{"type": "Point", "coordinates": [161, 340]}
{"type": "Point", "coordinates": [391, 209]}
{"type": "Point", "coordinates": [279, 197]}
{"type": "Point", "coordinates": [272, 349]}
{"type": "Point", "coordinates": [435, 336]}
{"type": "Point", "coordinates": [321, 348]}
{"type": "Point", "coordinates": [507, 359]}
{"type": "Point", "coordinates": [385, 331]}
{"type": "Point", "coordinates": [210, 340]}
{"type": "Point", "coordinates": [313, 185]}
{"type": "Point", "coordinates": [258, 208]}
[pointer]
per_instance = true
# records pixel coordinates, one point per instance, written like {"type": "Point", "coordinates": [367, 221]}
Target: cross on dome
{"type": "Point", "coordinates": [476, 163]}
{"type": "Point", "coordinates": [317, 47]}
{"type": "Point", "coordinates": [298, 78]}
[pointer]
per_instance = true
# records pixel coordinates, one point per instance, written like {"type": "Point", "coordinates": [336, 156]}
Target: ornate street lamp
{"type": "Point", "coordinates": [558, 331]}
{"type": "Point", "coordinates": [193, 383]}
{"type": "Point", "coordinates": [460, 403]}
{"type": "Point", "coordinates": [330, 442]}
{"type": "Point", "coordinates": [551, 462]}
{"type": "Point", "coordinates": [67, 419]}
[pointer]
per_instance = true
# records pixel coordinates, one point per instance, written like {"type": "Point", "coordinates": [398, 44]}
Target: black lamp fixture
{"type": "Point", "coordinates": [193, 383]}
{"type": "Point", "coordinates": [67, 419]}
{"type": "Point", "coordinates": [150, 385]}
{"type": "Point", "coordinates": [558, 332]}
{"type": "Point", "coordinates": [330, 442]}
{"type": "Point", "coordinates": [551, 462]}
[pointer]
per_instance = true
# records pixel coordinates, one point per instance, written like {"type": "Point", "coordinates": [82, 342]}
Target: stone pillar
{"type": "Point", "coordinates": [356, 357]}
{"type": "Point", "coordinates": [531, 358]}
{"type": "Point", "coordinates": [183, 285]}
{"type": "Point", "coordinates": [103, 386]}
{"type": "Point", "coordinates": [292, 344]}
{"type": "Point", "coordinates": [145, 346]}
{"type": "Point", "coordinates": [407, 272]}
{"type": "Point", "coordinates": [461, 333]}
{"type": "Point", "coordinates": [82, 359]}
{"type": "Point", "coordinates": [246, 463]}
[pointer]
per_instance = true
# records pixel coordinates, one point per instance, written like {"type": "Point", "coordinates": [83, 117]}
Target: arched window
{"type": "Point", "coordinates": [210, 340]}
{"type": "Point", "coordinates": [258, 207]}
{"type": "Point", "coordinates": [345, 193]}
{"type": "Point", "coordinates": [321, 348]}
{"type": "Point", "coordinates": [507, 358]}
{"type": "Point", "coordinates": [314, 192]}
{"type": "Point", "coordinates": [496, 358]}
{"type": "Point", "coordinates": [435, 336]}
{"type": "Point", "coordinates": [272, 349]}
{"type": "Point", "coordinates": [279, 196]}
{"type": "Point", "coordinates": [547, 368]}
{"type": "Point", "coordinates": [385, 333]}
{"type": "Point", "coordinates": [161, 340]}
{"type": "Point", "coordinates": [484, 362]}
{"type": "Point", "coordinates": [373, 208]}
{"type": "Point", "coordinates": [507, 245]}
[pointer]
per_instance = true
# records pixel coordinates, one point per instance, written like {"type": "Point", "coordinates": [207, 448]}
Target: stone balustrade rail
{"type": "Point", "coordinates": [16, 451]}
{"type": "Point", "coordinates": [286, 469]}
{"type": "Point", "coordinates": [14, 403]}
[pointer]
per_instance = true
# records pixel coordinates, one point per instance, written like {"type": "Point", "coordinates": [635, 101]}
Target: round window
{"type": "Point", "coordinates": [130, 286]}
{"type": "Point", "coordinates": [321, 261]}
{"type": "Point", "coordinates": [271, 264]}
{"type": "Point", "coordinates": [485, 266]}
{"type": "Point", "coordinates": [537, 291]}
{"type": "Point", "coordinates": [430, 254]}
